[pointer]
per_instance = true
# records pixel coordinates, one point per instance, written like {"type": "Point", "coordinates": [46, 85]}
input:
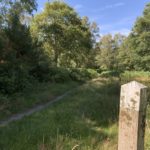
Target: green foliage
{"type": "Point", "coordinates": [15, 46]}
{"type": "Point", "coordinates": [53, 74]}
{"type": "Point", "coordinates": [59, 38]}
{"type": "Point", "coordinates": [42, 48]}
{"type": "Point", "coordinates": [88, 117]}
{"type": "Point", "coordinates": [93, 73]}
{"type": "Point", "coordinates": [137, 47]}
{"type": "Point", "coordinates": [80, 118]}
{"type": "Point", "coordinates": [138, 75]}
{"type": "Point", "coordinates": [14, 79]}
{"type": "Point", "coordinates": [64, 37]}
{"type": "Point", "coordinates": [83, 74]}
{"type": "Point", "coordinates": [112, 73]}
{"type": "Point", "coordinates": [40, 71]}
{"type": "Point", "coordinates": [59, 75]}
{"type": "Point", "coordinates": [39, 55]}
{"type": "Point", "coordinates": [107, 52]}
{"type": "Point", "coordinates": [79, 74]}
{"type": "Point", "coordinates": [31, 96]}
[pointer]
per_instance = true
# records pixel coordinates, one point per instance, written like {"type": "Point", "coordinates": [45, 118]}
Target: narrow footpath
{"type": "Point", "coordinates": [33, 110]}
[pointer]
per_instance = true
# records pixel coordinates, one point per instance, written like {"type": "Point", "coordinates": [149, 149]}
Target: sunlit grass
{"type": "Point", "coordinates": [87, 119]}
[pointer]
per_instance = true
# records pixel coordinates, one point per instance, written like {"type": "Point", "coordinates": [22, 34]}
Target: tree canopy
{"type": "Point", "coordinates": [34, 45]}
{"type": "Point", "coordinates": [137, 47]}
{"type": "Point", "coordinates": [64, 35]}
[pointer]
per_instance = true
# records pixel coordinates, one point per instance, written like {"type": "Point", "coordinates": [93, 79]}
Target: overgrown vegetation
{"type": "Point", "coordinates": [40, 47]}
{"type": "Point", "coordinates": [88, 117]}
{"type": "Point", "coordinates": [37, 94]}
{"type": "Point", "coordinates": [43, 55]}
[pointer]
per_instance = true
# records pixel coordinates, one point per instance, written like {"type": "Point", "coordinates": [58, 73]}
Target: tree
{"type": "Point", "coordinates": [15, 44]}
{"type": "Point", "coordinates": [12, 27]}
{"type": "Point", "coordinates": [108, 53]}
{"type": "Point", "coordinates": [93, 29]}
{"type": "Point", "coordinates": [10, 8]}
{"type": "Point", "coordinates": [125, 55]}
{"type": "Point", "coordinates": [65, 39]}
{"type": "Point", "coordinates": [139, 41]}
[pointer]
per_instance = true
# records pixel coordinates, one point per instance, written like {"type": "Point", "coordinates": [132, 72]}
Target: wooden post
{"type": "Point", "coordinates": [133, 101]}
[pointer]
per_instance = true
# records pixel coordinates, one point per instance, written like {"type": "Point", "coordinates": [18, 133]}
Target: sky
{"type": "Point", "coordinates": [111, 16]}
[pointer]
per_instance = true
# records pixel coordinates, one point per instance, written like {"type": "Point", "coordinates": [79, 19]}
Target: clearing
{"type": "Point", "coordinates": [86, 119]}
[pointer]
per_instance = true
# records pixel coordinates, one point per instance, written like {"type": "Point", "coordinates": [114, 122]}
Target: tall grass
{"type": "Point", "coordinates": [135, 75]}
{"type": "Point", "coordinates": [87, 119]}
{"type": "Point", "coordinates": [35, 95]}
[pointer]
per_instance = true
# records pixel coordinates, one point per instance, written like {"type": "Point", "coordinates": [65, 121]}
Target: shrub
{"type": "Point", "coordinates": [93, 73]}
{"type": "Point", "coordinates": [40, 72]}
{"type": "Point", "coordinates": [110, 74]}
{"type": "Point", "coordinates": [59, 75]}
{"type": "Point", "coordinates": [82, 74]}
{"type": "Point", "coordinates": [75, 75]}
{"type": "Point", "coordinates": [14, 79]}
{"type": "Point", "coordinates": [99, 71]}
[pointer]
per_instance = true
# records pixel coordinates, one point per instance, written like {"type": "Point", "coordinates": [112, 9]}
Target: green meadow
{"type": "Point", "coordinates": [86, 119]}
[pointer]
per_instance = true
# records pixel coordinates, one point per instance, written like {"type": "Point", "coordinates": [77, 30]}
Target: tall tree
{"type": "Point", "coordinates": [107, 56]}
{"type": "Point", "coordinates": [15, 43]}
{"type": "Point", "coordinates": [93, 29]}
{"type": "Point", "coordinates": [65, 38]}
{"type": "Point", "coordinates": [11, 13]}
{"type": "Point", "coordinates": [139, 41]}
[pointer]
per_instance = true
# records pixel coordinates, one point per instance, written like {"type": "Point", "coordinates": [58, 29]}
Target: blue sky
{"type": "Point", "coordinates": [112, 16]}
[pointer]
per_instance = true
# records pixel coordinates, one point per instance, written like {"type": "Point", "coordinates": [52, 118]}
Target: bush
{"type": "Point", "coordinates": [82, 74]}
{"type": "Point", "coordinates": [110, 74]}
{"type": "Point", "coordinates": [17, 78]}
{"type": "Point", "coordinates": [75, 75]}
{"type": "Point", "coordinates": [59, 75]}
{"type": "Point", "coordinates": [40, 72]}
{"type": "Point", "coordinates": [14, 79]}
{"type": "Point", "coordinates": [93, 73]}
{"type": "Point", "coordinates": [99, 71]}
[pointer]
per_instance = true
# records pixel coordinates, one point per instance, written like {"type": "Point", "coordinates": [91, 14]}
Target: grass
{"type": "Point", "coordinates": [37, 94]}
{"type": "Point", "coordinates": [81, 119]}
{"type": "Point", "coordinates": [87, 119]}
{"type": "Point", "coordinates": [136, 75]}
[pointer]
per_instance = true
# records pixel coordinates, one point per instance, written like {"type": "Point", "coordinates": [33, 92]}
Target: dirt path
{"type": "Point", "coordinates": [32, 110]}
{"type": "Point", "coordinates": [37, 108]}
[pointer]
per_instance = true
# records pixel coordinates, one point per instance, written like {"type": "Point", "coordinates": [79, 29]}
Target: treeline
{"type": "Point", "coordinates": [54, 44]}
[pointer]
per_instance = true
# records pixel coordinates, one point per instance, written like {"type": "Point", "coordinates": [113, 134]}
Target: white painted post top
{"type": "Point", "coordinates": [133, 96]}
